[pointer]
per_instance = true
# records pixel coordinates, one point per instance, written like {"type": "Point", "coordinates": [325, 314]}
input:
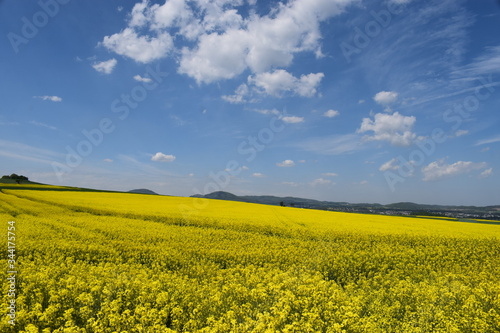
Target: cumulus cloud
{"type": "Point", "coordinates": [286, 164]}
{"type": "Point", "coordinates": [331, 113]}
{"type": "Point", "coordinates": [386, 97]}
{"type": "Point", "coordinates": [292, 119]}
{"type": "Point", "coordinates": [439, 169]}
{"type": "Point", "coordinates": [143, 79]}
{"type": "Point", "coordinates": [217, 42]}
{"type": "Point", "coordinates": [217, 57]}
{"type": "Point", "coordinates": [394, 128]}
{"type": "Point", "coordinates": [105, 67]}
{"type": "Point", "coordinates": [160, 157]}
{"type": "Point", "coordinates": [280, 81]}
{"type": "Point", "coordinates": [143, 49]}
{"type": "Point", "coordinates": [49, 98]}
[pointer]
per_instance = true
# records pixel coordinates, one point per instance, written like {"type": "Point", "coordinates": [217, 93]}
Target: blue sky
{"type": "Point", "coordinates": [342, 100]}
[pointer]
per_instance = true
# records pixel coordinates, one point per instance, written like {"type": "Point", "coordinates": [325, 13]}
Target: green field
{"type": "Point", "coordinates": [116, 262]}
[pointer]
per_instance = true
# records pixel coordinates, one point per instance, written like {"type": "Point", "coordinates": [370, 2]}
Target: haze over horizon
{"type": "Point", "coordinates": [334, 100]}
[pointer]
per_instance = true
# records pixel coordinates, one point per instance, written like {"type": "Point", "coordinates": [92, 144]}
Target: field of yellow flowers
{"type": "Point", "coordinates": [116, 262]}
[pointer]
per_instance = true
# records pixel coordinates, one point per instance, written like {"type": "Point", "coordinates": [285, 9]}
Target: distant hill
{"type": "Point", "coordinates": [143, 191]}
{"type": "Point", "coordinates": [220, 195]}
{"type": "Point", "coordinates": [400, 208]}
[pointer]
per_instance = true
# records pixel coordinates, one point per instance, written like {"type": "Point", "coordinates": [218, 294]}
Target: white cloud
{"type": "Point", "coordinates": [439, 169]}
{"type": "Point", "coordinates": [394, 128]}
{"type": "Point", "coordinates": [321, 181]}
{"type": "Point", "coordinates": [361, 101]}
{"type": "Point", "coordinates": [332, 145]}
{"type": "Point", "coordinates": [283, 116]}
{"type": "Point", "coordinates": [389, 165]}
{"type": "Point", "coordinates": [160, 157]}
{"type": "Point", "coordinates": [292, 119]}
{"type": "Point", "coordinates": [286, 164]}
{"type": "Point", "coordinates": [105, 67]}
{"type": "Point", "coordinates": [386, 97]}
{"type": "Point", "coordinates": [363, 182]}
{"type": "Point", "coordinates": [108, 160]}
{"type": "Point", "coordinates": [486, 173]}
{"type": "Point", "coordinates": [143, 49]}
{"type": "Point", "coordinates": [21, 151]}
{"type": "Point", "coordinates": [400, 2]}
{"type": "Point", "coordinates": [138, 16]}
{"type": "Point", "coordinates": [293, 184]}
{"type": "Point", "coordinates": [268, 111]}
{"type": "Point", "coordinates": [461, 132]}
{"type": "Point", "coordinates": [488, 141]}
{"type": "Point", "coordinates": [36, 123]}
{"type": "Point", "coordinates": [486, 64]}
{"type": "Point", "coordinates": [223, 44]}
{"type": "Point", "coordinates": [331, 113]}
{"type": "Point", "coordinates": [259, 42]}
{"type": "Point", "coordinates": [142, 79]}
{"type": "Point", "coordinates": [330, 174]}
{"type": "Point", "coordinates": [49, 98]}
{"type": "Point", "coordinates": [217, 57]}
{"type": "Point", "coordinates": [239, 96]}
{"type": "Point", "coordinates": [258, 175]}
{"type": "Point", "coordinates": [280, 81]}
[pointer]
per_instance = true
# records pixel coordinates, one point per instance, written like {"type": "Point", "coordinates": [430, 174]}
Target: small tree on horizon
{"type": "Point", "coordinates": [17, 178]}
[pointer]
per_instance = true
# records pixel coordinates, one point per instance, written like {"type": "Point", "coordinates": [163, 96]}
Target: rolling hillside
{"type": "Point", "coordinates": [104, 262]}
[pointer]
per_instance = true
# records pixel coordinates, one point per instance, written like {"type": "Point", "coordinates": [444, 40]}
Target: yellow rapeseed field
{"type": "Point", "coordinates": [116, 262]}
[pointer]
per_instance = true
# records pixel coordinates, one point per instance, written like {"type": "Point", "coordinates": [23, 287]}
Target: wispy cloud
{"type": "Point", "coordinates": [329, 174]}
{"type": "Point", "coordinates": [143, 167]}
{"type": "Point", "coordinates": [36, 123]}
{"type": "Point", "coordinates": [321, 181]}
{"type": "Point", "coordinates": [258, 175]}
{"type": "Point", "coordinates": [488, 141]}
{"type": "Point", "coordinates": [49, 98]}
{"type": "Point", "coordinates": [485, 64]}
{"type": "Point", "coordinates": [21, 151]}
{"type": "Point", "coordinates": [332, 145]}
{"type": "Point", "coordinates": [486, 173]}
